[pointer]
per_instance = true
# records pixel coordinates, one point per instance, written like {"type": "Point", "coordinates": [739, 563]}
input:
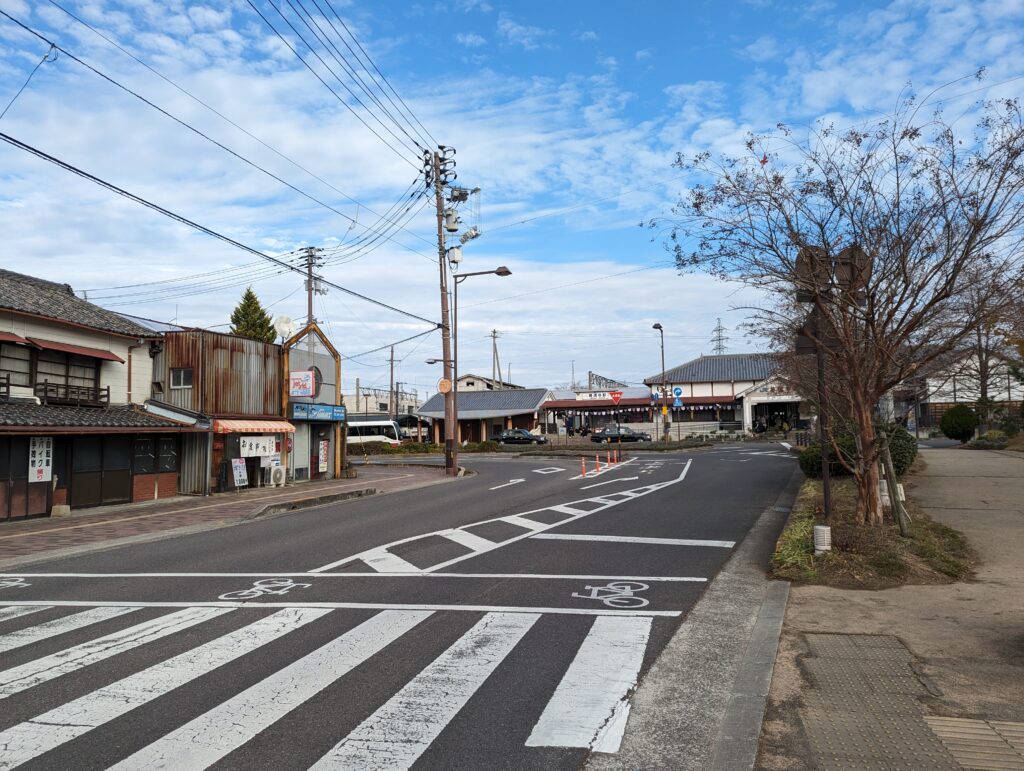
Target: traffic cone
{"type": "Point", "coordinates": [583, 466]}
{"type": "Point", "coordinates": [615, 458]}
{"type": "Point", "coordinates": [609, 458]}
{"type": "Point", "coordinates": [597, 461]}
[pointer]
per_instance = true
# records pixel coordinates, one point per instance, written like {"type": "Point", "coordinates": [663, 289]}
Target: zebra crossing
{"type": "Point", "coordinates": [586, 705]}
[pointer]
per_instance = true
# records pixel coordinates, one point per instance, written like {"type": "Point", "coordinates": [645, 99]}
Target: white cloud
{"type": "Point", "coordinates": [522, 35]}
{"type": "Point", "coordinates": [764, 49]}
{"type": "Point", "coordinates": [587, 36]}
{"type": "Point", "coordinates": [470, 39]}
{"type": "Point", "coordinates": [643, 54]}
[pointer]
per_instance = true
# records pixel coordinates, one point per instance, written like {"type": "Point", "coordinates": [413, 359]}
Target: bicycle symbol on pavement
{"type": "Point", "coordinates": [13, 582]}
{"type": "Point", "coordinates": [617, 594]}
{"type": "Point", "coordinates": [265, 586]}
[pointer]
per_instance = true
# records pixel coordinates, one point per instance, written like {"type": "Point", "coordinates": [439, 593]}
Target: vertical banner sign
{"type": "Point", "coordinates": [40, 458]}
{"type": "Point", "coordinates": [324, 451]}
{"type": "Point", "coordinates": [301, 383]}
{"type": "Point", "coordinates": [241, 477]}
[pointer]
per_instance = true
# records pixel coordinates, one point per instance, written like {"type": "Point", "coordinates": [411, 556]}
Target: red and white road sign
{"type": "Point", "coordinates": [616, 395]}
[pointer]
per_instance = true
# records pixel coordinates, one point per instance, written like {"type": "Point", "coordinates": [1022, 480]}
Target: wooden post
{"type": "Point", "coordinates": [899, 512]}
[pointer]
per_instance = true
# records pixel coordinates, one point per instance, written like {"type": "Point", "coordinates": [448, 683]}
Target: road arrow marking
{"type": "Point", "coordinates": [509, 483]}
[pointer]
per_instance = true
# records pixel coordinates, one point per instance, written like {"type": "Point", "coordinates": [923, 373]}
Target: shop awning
{"type": "Point", "coordinates": [242, 426]}
{"type": "Point", "coordinates": [10, 337]}
{"type": "Point", "coordinates": [80, 350]}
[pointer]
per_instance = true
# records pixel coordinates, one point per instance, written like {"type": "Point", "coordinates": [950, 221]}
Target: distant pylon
{"type": "Point", "coordinates": [718, 339]}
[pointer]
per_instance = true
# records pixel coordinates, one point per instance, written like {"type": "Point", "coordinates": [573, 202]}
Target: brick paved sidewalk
{"type": "Point", "coordinates": [104, 525]}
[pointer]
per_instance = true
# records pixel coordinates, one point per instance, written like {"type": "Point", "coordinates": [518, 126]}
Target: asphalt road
{"type": "Point", "coordinates": [499, 621]}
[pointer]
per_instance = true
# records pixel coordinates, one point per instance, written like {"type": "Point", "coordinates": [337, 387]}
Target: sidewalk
{"type": "Point", "coordinates": [32, 540]}
{"type": "Point", "coordinates": [919, 677]}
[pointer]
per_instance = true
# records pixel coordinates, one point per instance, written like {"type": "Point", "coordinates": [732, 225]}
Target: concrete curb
{"type": "Point", "coordinates": [283, 507]}
{"type": "Point", "coordinates": [740, 731]}
{"type": "Point", "coordinates": [702, 702]}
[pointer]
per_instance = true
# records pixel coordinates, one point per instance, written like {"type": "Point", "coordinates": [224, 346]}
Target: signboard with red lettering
{"type": "Point", "coordinates": [615, 396]}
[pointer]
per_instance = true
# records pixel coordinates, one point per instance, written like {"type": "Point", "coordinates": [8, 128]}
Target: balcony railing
{"type": "Point", "coordinates": [5, 388]}
{"type": "Point", "coordinates": [80, 396]}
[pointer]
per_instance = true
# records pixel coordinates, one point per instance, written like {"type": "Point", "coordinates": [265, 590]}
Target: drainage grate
{"type": "Point", "coordinates": [978, 744]}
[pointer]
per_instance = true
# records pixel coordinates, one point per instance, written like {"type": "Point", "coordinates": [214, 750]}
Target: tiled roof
{"type": "Point", "coordinates": [58, 416]}
{"type": "Point", "coordinates": [488, 404]}
{"type": "Point", "coordinates": [51, 300]}
{"type": "Point", "coordinates": [727, 368]}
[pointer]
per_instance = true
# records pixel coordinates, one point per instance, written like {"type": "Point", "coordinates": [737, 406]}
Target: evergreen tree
{"type": "Point", "coordinates": [250, 320]}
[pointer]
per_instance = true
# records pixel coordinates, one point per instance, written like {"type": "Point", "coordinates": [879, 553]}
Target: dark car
{"type": "Point", "coordinates": [619, 434]}
{"type": "Point", "coordinates": [519, 436]}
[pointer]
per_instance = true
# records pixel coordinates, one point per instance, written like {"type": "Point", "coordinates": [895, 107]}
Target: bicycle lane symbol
{"type": "Point", "coordinates": [275, 586]}
{"type": "Point", "coordinates": [617, 594]}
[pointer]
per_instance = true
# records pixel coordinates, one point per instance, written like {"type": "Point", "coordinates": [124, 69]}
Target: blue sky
{"type": "Point", "coordinates": [567, 114]}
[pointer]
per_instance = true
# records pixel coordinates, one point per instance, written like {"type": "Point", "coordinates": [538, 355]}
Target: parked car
{"type": "Point", "coordinates": [619, 434]}
{"type": "Point", "coordinates": [519, 436]}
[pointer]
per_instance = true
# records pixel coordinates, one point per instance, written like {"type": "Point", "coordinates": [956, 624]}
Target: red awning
{"type": "Point", "coordinates": [242, 426]}
{"type": "Point", "coordinates": [80, 350]}
{"type": "Point", "coordinates": [10, 337]}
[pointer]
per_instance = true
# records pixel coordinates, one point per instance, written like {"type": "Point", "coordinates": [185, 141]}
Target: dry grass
{"type": "Point", "coordinates": [865, 557]}
{"type": "Point", "coordinates": [1016, 443]}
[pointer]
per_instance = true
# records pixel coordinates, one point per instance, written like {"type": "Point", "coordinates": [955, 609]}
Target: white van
{"type": "Point", "coordinates": [365, 431]}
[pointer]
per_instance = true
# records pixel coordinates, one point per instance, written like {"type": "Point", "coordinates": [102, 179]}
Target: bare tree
{"type": "Point", "coordinates": [886, 222]}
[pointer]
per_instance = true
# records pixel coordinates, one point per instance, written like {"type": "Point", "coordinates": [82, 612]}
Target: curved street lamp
{"type": "Point", "coordinates": [666, 424]}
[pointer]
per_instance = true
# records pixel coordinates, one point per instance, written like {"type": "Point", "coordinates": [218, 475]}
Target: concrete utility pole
{"type": "Point", "coordinates": [451, 450]}
{"type": "Point", "coordinates": [495, 362]}
{"type": "Point", "coordinates": [392, 401]}
{"type": "Point", "coordinates": [312, 261]}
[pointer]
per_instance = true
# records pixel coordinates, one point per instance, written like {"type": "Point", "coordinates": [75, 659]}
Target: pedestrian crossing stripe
{"type": "Point", "coordinates": [600, 677]}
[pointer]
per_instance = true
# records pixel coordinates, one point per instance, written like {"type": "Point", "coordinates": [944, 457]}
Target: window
{"type": "Point", "coordinates": [181, 378]}
{"type": "Point", "coordinates": [382, 406]}
{"type": "Point", "coordinates": [169, 453]}
{"type": "Point", "coordinates": [16, 361]}
{"type": "Point", "coordinates": [144, 458]}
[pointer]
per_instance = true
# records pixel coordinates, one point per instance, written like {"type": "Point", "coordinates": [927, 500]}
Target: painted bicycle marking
{"type": "Point", "coordinates": [13, 582]}
{"type": "Point", "coordinates": [617, 594]}
{"type": "Point", "coordinates": [276, 586]}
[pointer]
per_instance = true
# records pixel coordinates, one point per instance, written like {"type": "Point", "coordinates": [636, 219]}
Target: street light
{"type": "Point", "coordinates": [459, 278]}
{"type": "Point", "coordinates": [665, 422]}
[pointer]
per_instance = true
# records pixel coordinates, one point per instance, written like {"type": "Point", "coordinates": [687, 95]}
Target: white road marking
{"type": "Point", "coordinates": [590, 705]}
{"type": "Point", "coordinates": [208, 738]}
{"type": "Point", "coordinates": [400, 731]}
{"type": "Point", "coordinates": [635, 539]}
{"type": "Point", "coordinates": [610, 482]}
{"type": "Point", "coordinates": [787, 445]}
{"type": "Point", "coordinates": [387, 561]}
{"type": "Point", "coordinates": [509, 483]}
{"type": "Point", "coordinates": [32, 634]}
{"type": "Point", "coordinates": [23, 610]}
{"type": "Point", "coordinates": [563, 508]}
{"type": "Point", "coordinates": [6, 614]}
{"type": "Point", "coordinates": [529, 524]}
{"type": "Point", "coordinates": [24, 741]}
{"type": "Point", "coordinates": [50, 667]}
{"type": "Point", "coordinates": [226, 606]}
{"type": "Point", "coordinates": [468, 539]}
{"type": "Point", "coordinates": [548, 470]}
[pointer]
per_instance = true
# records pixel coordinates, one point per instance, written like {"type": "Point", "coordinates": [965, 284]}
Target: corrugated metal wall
{"type": "Point", "coordinates": [193, 463]}
{"type": "Point", "coordinates": [231, 376]}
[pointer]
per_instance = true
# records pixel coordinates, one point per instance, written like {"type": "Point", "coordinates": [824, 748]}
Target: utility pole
{"type": "Point", "coordinates": [438, 168]}
{"type": "Point", "coordinates": [392, 406]}
{"type": "Point", "coordinates": [312, 287]}
{"type": "Point", "coordinates": [572, 386]}
{"type": "Point", "coordinates": [495, 361]}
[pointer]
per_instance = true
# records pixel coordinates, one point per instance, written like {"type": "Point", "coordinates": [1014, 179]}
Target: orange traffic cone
{"type": "Point", "coordinates": [583, 466]}
{"type": "Point", "coordinates": [597, 461]}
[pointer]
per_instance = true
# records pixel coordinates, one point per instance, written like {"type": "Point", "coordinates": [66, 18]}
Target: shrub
{"type": "Point", "coordinates": [902, 447]}
{"type": "Point", "coordinates": [994, 436]}
{"type": "Point", "coordinates": [810, 458]}
{"type": "Point", "coordinates": [959, 422]}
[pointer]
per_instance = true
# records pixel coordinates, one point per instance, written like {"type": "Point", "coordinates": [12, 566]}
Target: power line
{"type": "Point", "coordinates": [185, 221]}
{"type": "Point", "coordinates": [228, 120]}
{"type": "Point", "coordinates": [324, 39]}
{"type": "Point", "coordinates": [381, 74]}
{"type": "Point", "coordinates": [326, 85]}
{"type": "Point", "coordinates": [46, 58]}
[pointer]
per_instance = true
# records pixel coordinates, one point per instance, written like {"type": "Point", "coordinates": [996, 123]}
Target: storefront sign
{"type": "Point", "coordinates": [241, 477]}
{"type": "Point", "coordinates": [301, 383]}
{"type": "Point", "coordinates": [325, 448]}
{"type": "Point", "coordinates": [327, 413]}
{"type": "Point", "coordinates": [40, 459]}
{"type": "Point", "coordinates": [586, 396]}
{"type": "Point", "coordinates": [256, 446]}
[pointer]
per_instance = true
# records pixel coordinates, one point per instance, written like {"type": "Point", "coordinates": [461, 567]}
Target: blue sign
{"type": "Point", "coordinates": [327, 413]}
{"type": "Point", "coordinates": [678, 402]}
{"type": "Point", "coordinates": [677, 391]}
